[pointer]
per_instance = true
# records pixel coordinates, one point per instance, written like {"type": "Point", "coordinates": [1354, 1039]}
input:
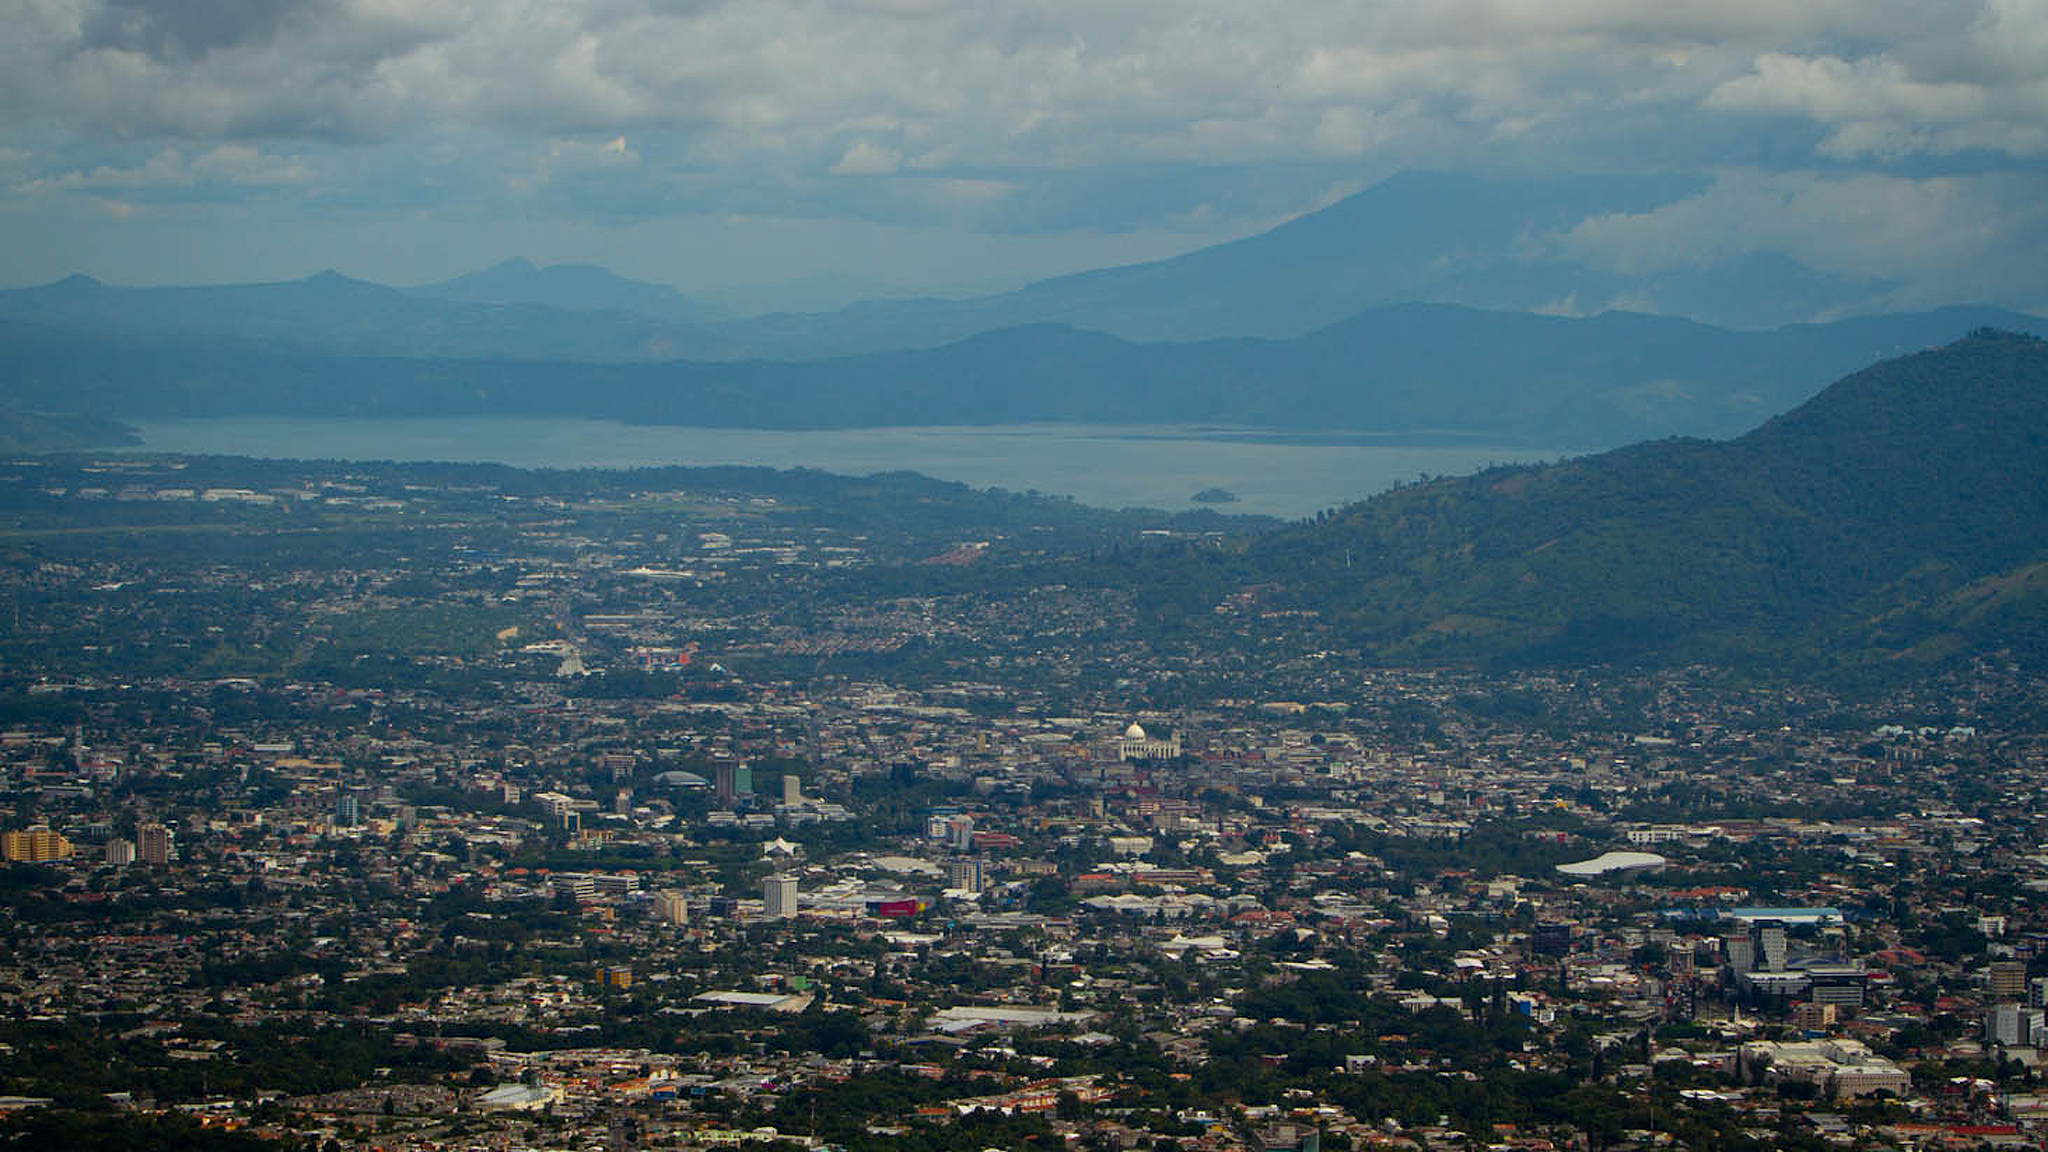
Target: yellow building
{"type": "Point", "coordinates": [34, 845]}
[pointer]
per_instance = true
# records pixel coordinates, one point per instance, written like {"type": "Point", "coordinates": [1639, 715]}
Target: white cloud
{"type": "Point", "coordinates": [1946, 239]}
{"type": "Point", "coordinates": [982, 113]}
{"type": "Point", "coordinates": [867, 158]}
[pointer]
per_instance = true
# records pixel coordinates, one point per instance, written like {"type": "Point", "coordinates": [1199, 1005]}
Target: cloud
{"type": "Point", "coordinates": [1972, 85]}
{"type": "Point", "coordinates": [1008, 118]}
{"type": "Point", "coordinates": [237, 165]}
{"type": "Point", "coordinates": [866, 158]}
{"type": "Point", "coordinates": [1961, 238]}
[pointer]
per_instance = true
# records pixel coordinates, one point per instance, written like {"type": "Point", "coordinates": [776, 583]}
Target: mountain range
{"type": "Point", "coordinates": [1414, 371]}
{"type": "Point", "coordinates": [1488, 243]}
{"type": "Point", "coordinates": [1420, 307]}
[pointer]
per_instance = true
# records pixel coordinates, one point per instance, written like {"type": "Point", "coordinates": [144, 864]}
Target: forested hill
{"type": "Point", "coordinates": [1901, 516]}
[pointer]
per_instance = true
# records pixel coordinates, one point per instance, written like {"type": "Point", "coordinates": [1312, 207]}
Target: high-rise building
{"type": "Point", "coordinates": [2012, 1025]}
{"type": "Point", "coordinates": [34, 845]}
{"type": "Point", "coordinates": [960, 833]}
{"type": "Point", "coordinates": [671, 907]}
{"type": "Point", "coordinates": [1550, 938]}
{"type": "Point", "coordinates": [1770, 946]}
{"type": "Point", "coordinates": [156, 845]}
{"type": "Point", "coordinates": [778, 896]}
{"type": "Point", "coordinates": [965, 874]}
{"type": "Point", "coordinates": [792, 788]}
{"type": "Point", "coordinates": [120, 852]}
{"type": "Point", "coordinates": [725, 780]}
{"type": "Point", "coordinates": [2006, 980]}
{"type": "Point", "coordinates": [348, 807]}
{"type": "Point", "coordinates": [1741, 952]}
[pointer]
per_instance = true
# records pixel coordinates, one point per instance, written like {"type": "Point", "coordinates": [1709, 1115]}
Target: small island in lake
{"type": "Point", "coordinates": [1214, 496]}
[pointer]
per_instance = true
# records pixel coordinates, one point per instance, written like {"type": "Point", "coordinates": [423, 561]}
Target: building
{"type": "Point", "coordinates": [578, 886]}
{"type": "Point", "coordinates": [671, 907]}
{"type": "Point", "coordinates": [1136, 745]}
{"type": "Point", "coordinates": [1839, 1068]}
{"type": "Point", "coordinates": [792, 788]}
{"type": "Point", "coordinates": [34, 845]}
{"type": "Point", "coordinates": [778, 896]}
{"type": "Point", "coordinates": [348, 807]}
{"type": "Point", "coordinates": [1841, 985]}
{"type": "Point", "coordinates": [2012, 1026]}
{"type": "Point", "coordinates": [120, 852]}
{"type": "Point", "coordinates": [966, 874]}
{"type": "Point", "coordinates": [1770, 946]}
{"type": "Point", "coordinates": [155, 842]}
{"type": "Point", "coordinates": [2006, 980]}
{"type": "Point", "coordinates": [733, 779]}
{"type": "Point", "coordinates": [1619, 865]}
{"type": "Point", "coordinates": [562, 812]}
{"type": "Point", "coordinates": [958, 832]}
{"type": "Point", "coordinates": [1550, 938]}
{"type": "Point", "coordinates": [1741, 953]}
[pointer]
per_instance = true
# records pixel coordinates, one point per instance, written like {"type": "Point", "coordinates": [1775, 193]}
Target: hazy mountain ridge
{"type": "Point", "coordinates": [1411, 369]}
{"type": "Point", "coordinates": [332, 314]}
{"type": "Point", "coordinates": [573, 287]}
{"type": "Point", "coordinates": [1496, 244]}
{"type": "Point", "coordinates": [1897, 516]}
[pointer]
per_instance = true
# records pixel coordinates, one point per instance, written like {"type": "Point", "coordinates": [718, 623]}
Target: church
{"type": "Point", "coordinates": [1136, 745]}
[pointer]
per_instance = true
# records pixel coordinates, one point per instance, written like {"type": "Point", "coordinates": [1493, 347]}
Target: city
{"type": "Point", "coordinates": [363, 811]}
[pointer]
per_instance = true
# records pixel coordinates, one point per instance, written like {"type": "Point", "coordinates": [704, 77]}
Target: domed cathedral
{"type": "Point", "coordinates": [1137, 745]}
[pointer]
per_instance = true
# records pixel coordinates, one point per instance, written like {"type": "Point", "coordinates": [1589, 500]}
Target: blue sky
{"type": "Point", "coordinates": [943, 146]}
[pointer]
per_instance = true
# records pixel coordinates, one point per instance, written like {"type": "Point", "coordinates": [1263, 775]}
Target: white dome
{"type": "Point", "coordinates": [1134, 732]}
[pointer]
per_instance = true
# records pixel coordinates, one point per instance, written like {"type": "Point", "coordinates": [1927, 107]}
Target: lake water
{"type": "Point", "coordinates": [1152, 466]}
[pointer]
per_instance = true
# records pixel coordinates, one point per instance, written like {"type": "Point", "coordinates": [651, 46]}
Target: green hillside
{"type": "Point", "coordinates": [1901, 515]}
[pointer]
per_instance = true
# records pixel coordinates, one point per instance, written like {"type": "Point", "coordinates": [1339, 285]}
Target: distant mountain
{"type": "Point", "coordinates": [1491, 243]}
{"type": "Point", "coordinates": [45, 432]}
{"type": "Point", "coordinates": [574, 287]}
{"type": "Point", "coordinates": [331, 313]}
{"type": "Point", "coordinates": [1411, 371]}
{"type": "Point", "coordinates": [1897, 520]}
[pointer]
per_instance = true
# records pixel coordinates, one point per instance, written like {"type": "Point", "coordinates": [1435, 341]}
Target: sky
{"type": "Point", "coordinates": [956, 145]}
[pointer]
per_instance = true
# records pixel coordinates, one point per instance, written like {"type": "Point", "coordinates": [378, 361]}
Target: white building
{"type": "Point", "coordinates": [1136, 745]}
{"type": "Point", "coordinates": [778, 896]}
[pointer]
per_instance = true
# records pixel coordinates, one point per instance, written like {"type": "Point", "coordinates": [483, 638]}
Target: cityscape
{"type": "Point", "coordinates": [541, 837]}
{"type": "Point", "coordinates": [1076, 576]}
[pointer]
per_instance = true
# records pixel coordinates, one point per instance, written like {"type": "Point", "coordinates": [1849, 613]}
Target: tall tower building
{"type": "Point", "coordinates": [778, 896]}
{"type": "Point", "coordinates": [671, 907]}
{"type": "Point", "coordinates": [155, 844]}
{"type": "Point", "coordinates": [1770, 946]}
{"type": "Point", "coordinates": [965, 874]}
{"type": "Point", "coordinates": [348, 807]}
{"type": "Point", "coordinates": [792, 788]}
{"type": "Point", "coordinates": [1741, 953]}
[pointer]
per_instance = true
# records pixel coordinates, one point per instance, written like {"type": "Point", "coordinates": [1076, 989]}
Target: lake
{"type": "Point", "coordinates": [1152, 466]}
